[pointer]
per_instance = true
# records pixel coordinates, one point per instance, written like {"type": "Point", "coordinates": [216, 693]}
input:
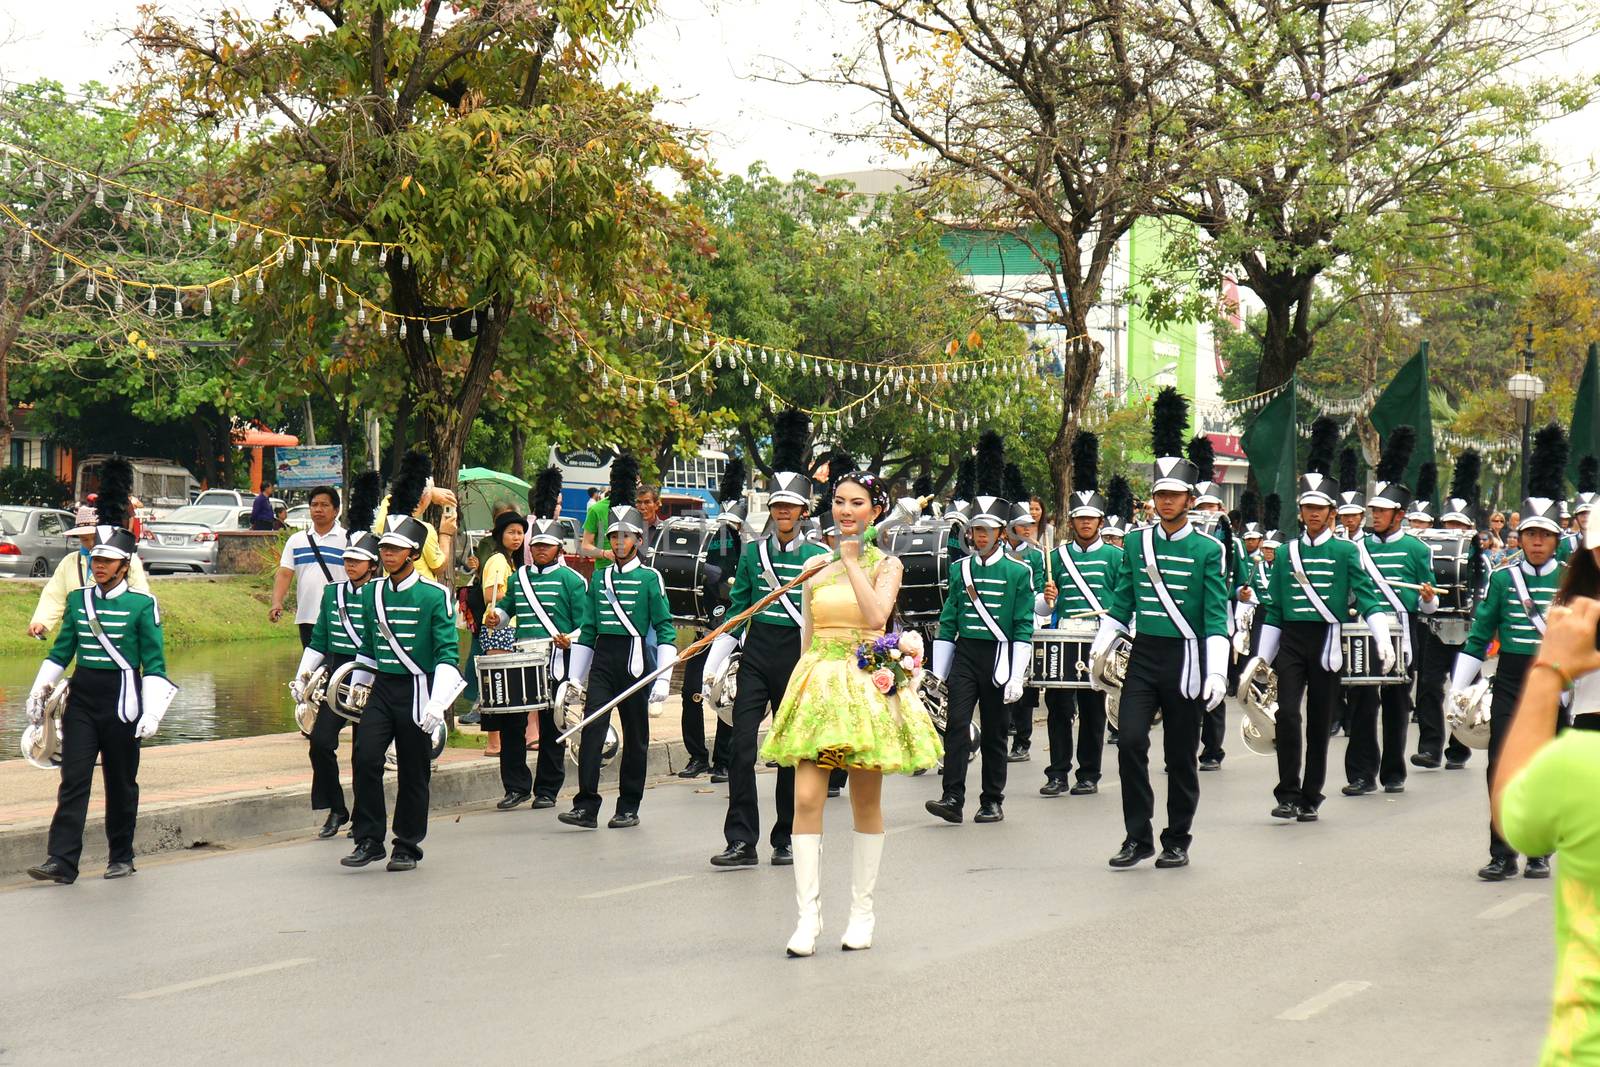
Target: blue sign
{"type": "Point", "coordinates": [308, 466]}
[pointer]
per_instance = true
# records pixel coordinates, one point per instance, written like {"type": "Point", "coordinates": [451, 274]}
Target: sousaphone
{"type": "Point", "coordinates": [41, 743]}
{"type": "Point", "coordinates": [1258, 696]}
{"type": "Point", "coordinates": [346, 700]}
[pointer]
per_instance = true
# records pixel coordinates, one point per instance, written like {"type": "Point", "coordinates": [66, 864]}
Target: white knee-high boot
{"type": "Point", "coordinates": [807, 850]}
{"type": "Point", "coordinates": [863, 878]}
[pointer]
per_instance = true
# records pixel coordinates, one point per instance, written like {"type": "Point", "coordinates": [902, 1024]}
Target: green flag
{"type": "Point", "coordinates": [1270, 443]}
{"type": "Point", "coordinates": [1405, 403]}
{"type": "Point", "coordinates": [1584, 436]}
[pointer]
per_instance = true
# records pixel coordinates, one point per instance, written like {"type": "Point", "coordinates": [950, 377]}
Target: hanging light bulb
{"type": "Point", "coordinates": [27, 246]}
{"type": "Point", "coordinates": [66, 186]}
{"type": "Point", "coordinates": [605, 379]}
{"type": "Point", "coordinates": [718, 358]}
{"type": "Point", "coordinates": [61, 271]}
{"type": "Point", "coordinates": [758, 390]}
{"type": "Point", "coordinates": [488, 312]}
{"type": "Point", "coordinates": [261, 281]}
{"type": "Point", "coordinates": [426, 336]}
{"type": "Point", "coordinates": [316, 259]}
{"type": "Point", "coordinates": [355, 254]}
{"type": "Point", "coordinates": [38, 176]}
{"type": "Point", "coordinates": [257, 242]}
{"type": "Point", "coordinates": [383, 326]}
{"type": "Point", "coordinates": [88, 288]}
{"type": "Point", "coordinates": [305, 265]}
{"type": "Point", "coordinates": [188, 227]}
{"type": "Point", "coordinates": [233, 297]}
{"type": "Point", "coordinates": [402, 329]}
{"type": "Point", "coordinates": [383, 255]}
{"type": "Point", "coordinates": [211, 229]}
{"type": "Point", "coordinates": [322, 287]}
{"type": "Point", "coordinates": [116, 300]}
{"type": "Point", "coordinates": [745, 377]}
{"type": "Point", "coordinates": [177, 303]}
{"type": "Point", "coordinates": [205, 305]}
{"type": "Point", "coordinates": [5, 164]}
{"type": "Point", "coordinates": [588, 363]}
{"type": "Point", "coordinates": [157, 212]}
{"type": "Point", "coordinates": [99, 195]}
{"type": "Point", "coordinates": [405, 260]}
{"type": "Point", "coordinates": [361, 312]}
{"type": "Point", "coordinates": [150, 308]}
{"type": "Point", "coordinates": [338, 298]}
{"type": "Point", "coordinates": [766, 357]}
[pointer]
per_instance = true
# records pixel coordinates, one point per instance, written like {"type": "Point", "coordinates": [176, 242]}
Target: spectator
{"type": "Point", "coordinates": [1497, 524]}
{"type": "Point", "coordinates": [261, 516]}
{"type": "Point", "coordinates": [313, 558]}
{"type": "Point", "coordinates": [1047, 530]}
{"type": "Point", "coordinates": [594, 494]}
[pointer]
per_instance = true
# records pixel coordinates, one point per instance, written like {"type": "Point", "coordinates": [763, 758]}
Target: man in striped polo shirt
{"type": "Point", "coordinates": [1513, 609]}
{"type": "Point", "coordinates": [311, 558]}
{"type": "Point", "coordinates": [981, 653]}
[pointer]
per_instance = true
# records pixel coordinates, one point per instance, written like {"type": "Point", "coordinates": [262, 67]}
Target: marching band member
{"type": "Point", "coordinates": [1582, 504]}
{"type": "Point", "coordinates": [73, 573]}
{"type": "Point", "coordinates": [1021, 537]}
{"type": "Point", "coordinates": [729, 540]}
{"type": "Point", "coordinates": [1214, 725]}
{"type": "Point", "coordinates": [1085, 570]}
{"type": "Point", "coordinates": [408, 658]}
{"type": "Point", "coordinates": [1513, 609]}
{"type": "Point", "coordinates": [1393, 556]}
{"type": "Point", "coordinates": [984, 645]}
{"type": "Point", "coordinates": [1173, 579]}
{"type": "Point", "coordinates": [119, 691]}
{"type": "Point", "coordinates": [545, 599]}
{"type": "Point", "coordinates": [336, 639]}
{"type": "Point", "coordinates": [1310, 589]}
{"type": "Point", "coordinates": [1434, 740]}
{"type": "Point", "coordinates": [771, 647]}
{"type": "Point", "coordinates": [1420, 517]}
{"type": "Point", "coordinates": [1351, 507]}
{"type": "Point", "coordinates": [626, 603]}
{"type": "Point", "coordinates": [1255, 541]}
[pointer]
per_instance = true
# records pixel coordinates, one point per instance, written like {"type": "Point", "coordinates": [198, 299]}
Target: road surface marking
{"type": "Point", "coordinates": [216, 979]}
{"type": "Point", "coordinates": [1323, 1000]}
{"type": "Point", "coordinates": [1512, 906]}
{"type": "Point", "coordinates": [636, 887]}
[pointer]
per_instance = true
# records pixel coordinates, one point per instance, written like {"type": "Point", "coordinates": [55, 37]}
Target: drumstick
{"type": "Point", "coordinates": [1085, 614]}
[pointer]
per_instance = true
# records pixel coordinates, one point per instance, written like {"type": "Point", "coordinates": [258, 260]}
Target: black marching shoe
{"type": "Point", "coordinates": [1307, 815]}
{"type": "Point", "coordinates": [1131, 854]}
{"type": "Point", "coordinates": [1054, 787]}
{"type": "Point", "coordinates": [782, 856]}
{"type": "Point", "coordinates": [719, 775]}
{"type": "Point", "coordinates": [694, 769]}
{"type": "Point", "coordinates": [1210, 765]}
{"type": "Point", "coordinates": [1359, 787]}
{"type": "Point", "coordinates": [946, 807]}
{"type": "Point", "coordinates": [1083, 789]}
{"type": "Point", "coordinates": [331, 827]}
{"type": "Point", "coordinates": [1020, 753]}
{"type": "Point", "coordinates": [1395, 787]}
{"type": "Point", "coordinates": [1455, 764]}
{"type": "Point", "coordinates": [623, 820]}
{"type": "Point", "coordinates": [511, 800]}
{"type": "Point", "coordinates": [1537, 867]}
{"type": "Point", "coordinates": [1173, 856]}
{"type": "Point", "coordinates": [1285, 811]}
{"type": "Point", "coordinates": [834, 790]}
{"type": "Point", "coordinates": [1426, 760]}
{"type": "Point", "coordinates": [366, 852]}
{"type": "Point", "coordinates": [579, 818]}
{"type": "Point", "coordinates": [988, 812]}
{"type": "Point", "coordinates": [1498, 870]}
{"type": "Point", "coordinates": [738, 854]}
{"type": "Point", "coordinates": [543, 802]}
{"type": "Point", "coordinates": [401, 861]}
{"type": "Point", "coordinates": [52, 870]}
{"type": "Point", "coordinates": [122, 869]}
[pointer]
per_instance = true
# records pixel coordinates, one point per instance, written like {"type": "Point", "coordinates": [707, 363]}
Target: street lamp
{"type": "Point", "coordinates": [1526, 387]}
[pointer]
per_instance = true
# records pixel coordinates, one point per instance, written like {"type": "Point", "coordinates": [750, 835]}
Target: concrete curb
{"type": "Point", "coordinates": [263, 813]}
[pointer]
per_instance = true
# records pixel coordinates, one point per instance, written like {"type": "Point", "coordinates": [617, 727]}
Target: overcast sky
{"type": "Point", "coordinates": [703, 55]}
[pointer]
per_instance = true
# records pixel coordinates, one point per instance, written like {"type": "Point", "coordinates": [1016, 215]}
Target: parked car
{"type": "Point", "coordinates": [186, 540]}
{"type": "Point", "coordinates": [298, 517]}
{"type": "Point", "coordinates": [33, 540]}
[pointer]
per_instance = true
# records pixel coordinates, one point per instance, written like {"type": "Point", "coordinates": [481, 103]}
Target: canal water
{"type": "Point", "coordinates": [224, 690]}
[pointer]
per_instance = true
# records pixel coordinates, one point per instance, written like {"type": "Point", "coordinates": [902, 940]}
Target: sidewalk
{"type": "Point", "coordinates": [208, 792]}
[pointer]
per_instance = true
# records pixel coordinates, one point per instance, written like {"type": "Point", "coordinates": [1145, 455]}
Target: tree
{"type": "Point", "coordinates": [504, 185]}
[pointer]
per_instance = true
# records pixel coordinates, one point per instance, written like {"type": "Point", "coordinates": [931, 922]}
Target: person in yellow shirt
{"type": "Point", "coordinates": [73, 573]}
{"type": "Point", "coordinates": [413, 487]}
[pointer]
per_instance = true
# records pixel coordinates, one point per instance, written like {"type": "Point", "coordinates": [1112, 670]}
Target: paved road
{"type": "Point", "coordinates": [1362, 938]}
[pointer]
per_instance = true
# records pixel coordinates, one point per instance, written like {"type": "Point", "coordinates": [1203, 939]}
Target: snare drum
{"type": "Point", "coordinates": [697, 559]}
{"type": "Point", "coordinates": [513, 682]}
{"type": "Point", "coordinates": [1061, 655]}
{"type": "Point", "coordinates": [923, 548]}
{"type": "Point", "coordinates": [1361, 666]}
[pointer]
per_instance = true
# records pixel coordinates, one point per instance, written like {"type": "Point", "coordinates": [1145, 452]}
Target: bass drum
{"type": "Point", "coordinates": [923, 548]}
{"type": "Point", "coordinates": [697, 559]}
{"type": "Point", "coordinates": [1457, 570]}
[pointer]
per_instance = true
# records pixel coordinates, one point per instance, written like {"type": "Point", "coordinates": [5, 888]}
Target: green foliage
{"type": "Point", "coordinates": [33, 487]}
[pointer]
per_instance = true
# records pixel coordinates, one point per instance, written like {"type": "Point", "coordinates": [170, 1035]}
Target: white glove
{"type": "Point", "coordinates": [1382, 625]}
{"type": "Point", "coordinates": [50, 673]}
{"type": "Point", "coordinates": [722, 650]}
{"type": "Point", "coordinates": [1465, 672]}
{"type": "Point", "coordinates": [1109, 628]}
{"type": "Point", "coordinates": [579, 658]}
{"type": "Point", "coordinates": [1268, 648]}
{"type": "Point", "coordinates": [1215, 688]}
{"type": "Point", "coordinates": [944, 654]}
{"type": "Point", "coordinates": [157, 695]}
{"type": "Point", "coordinates": [1021, 655]}
{"type": "Point", "coordinates": [432, 718]}
{"type": "Point", "coordinates": [310, 660]}
{"type": "Point", "coordinates": [1041, 607]}
{"type": "Point", "coordinates": [447, 684]}
{"type": "Point", "coordinates": [666, 657]}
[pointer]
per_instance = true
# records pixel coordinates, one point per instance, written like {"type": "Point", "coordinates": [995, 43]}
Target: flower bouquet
{"type": "Point", "coordinates": [893, 660]}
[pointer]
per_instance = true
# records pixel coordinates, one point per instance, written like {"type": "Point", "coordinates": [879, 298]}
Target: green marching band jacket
{"type": "Point", "coordinates": [411, 629]}
{"type": "Point", "coordinates": [1514, 608]}
{"type": "Point", "coordinates": [763, 562]}
{"type": "Point", "coordinates": [1401, 557]}
{"type": "Point", "coordinates": [1261, 579]}
{"type": "Point", "coordinates": [129, 638]}
{"type": "Point", "coordinates": [1032, 556]}
{"type": "Point", "coordinates": [546, 601]}
{"type": "Point", "coordinates": [1337, 571]}
{"type": "Point", "coordinates": [341, 622]}
{"type": "Point", "coordinates": [628, 601]}
{"type": "Point", "coordinates": [990, 599]}
{"type": "Point", "coordinates": [1084, 579]}
{"type": "Point", "coordinates": [1174, 585]}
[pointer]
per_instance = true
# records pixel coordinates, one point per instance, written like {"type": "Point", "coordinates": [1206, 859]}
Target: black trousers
{"type": "Point", "coordinates": [609, 676]}
{"type": "Point", "coordinates": [1022, 716]}
{"type": "Point", "coordinates": [1090, 709]}
{"type": "Point", "coordinates": [1154, 683]}
{"type": "Point", "coordinates": [1361, 755]}
{"type": "Point", "coordinates": [1507, 689]}
{"type": "Point", "coordinates": [694, 720]}
{"type": "Point", "coordinates": [1303, 683]}
{"type": "Point", "coordinates": [387, 718]}
{"type": "Point", "coordinates": [1435, 662]}
{"type": "Point", "coordinates": [514, 773]}
{"type": "Point", "coordinates": [550, 768]}
{"type": "Point", "coordinates": [971, 685]}
{"type": "Point", "coordinates": [323, 747]}
{"type": "Point", "coordinates": [305, 633]}
{"type": "Point", "coordinates": [770, 653]}
{"type": "Point", "coordinates": [90, 728]}
{"type": "Point", "coordinates": [1214, 728]}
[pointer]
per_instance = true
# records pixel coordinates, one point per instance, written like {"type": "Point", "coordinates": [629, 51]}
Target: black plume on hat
{"type": "Point", "coordinates": [1119, 499]}
{"type": "Point", "coordinates": [410, 482]}
{"type": "Point", "coordinates": [1588, 474]}
{"type": "Point", "coordinates": [966, 478]}
{"type": "Point", "coordinates": [1170, 414]}
{"type": "Point", "coordinates": [112, 502]}
{"type": "Point", "coordinates": [1203, 455]}
{"type": "Point", "coordinates": [1272, 508]}
{"type": "Point", "coordinates": [1427, 482]}
{"type": "Point", "coordinates": [1396, 456]}
{"type": "Point", "coordinates": [1249, 506]}
{"type": "Point", "coordinates": [989, 473]}
{"type": "Point", "coordinates": [790, 428]}
{"type": "Point", "coordinates": [1349, 470]}
{"type": "Point", "coordinates": [731, 487]}
{"type": "Point", "coordinates": [1464, 480]}
{"type": "Point", "coordinates": [1016, 490]}
{"type": "Point", "coordinates": [922, 489]}
{"type": "Point", "coordinates": [1085, 462]}
{"type": "Point", "coordinates": [1324, 441]}
{"type": "Point", "coordinates": [1547, 467]}
{"type": "Point", "coordinates": [546, 493]}
{"type": "Point", "coordinates": [366, 490]}
{"type": "Point", "coordinates": [624, 480]}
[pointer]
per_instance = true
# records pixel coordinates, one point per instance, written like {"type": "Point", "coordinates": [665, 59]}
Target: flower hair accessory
{"type": "Point", "coordinates": [877, 492]}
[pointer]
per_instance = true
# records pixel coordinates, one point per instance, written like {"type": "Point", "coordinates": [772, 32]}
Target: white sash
{"type": "Point", "coordinates": [1535, 616]}
{"type": "Point", "coordinates": [128, 694]}
{"type": "Point", "coordinates": [344, 615]}
{"type": "Point", "coordinates": [1332, 646]}
{"type": "Point", "coordinates": [1191, 644]}
{"type": "Point", "coordinates": [772, 580]}
{"type": "Point", "coordinates": [1065, 554]}
{"type": "Point", "coordinates": [419, 680]}
{"type": "Point", "coordinates": [1402, 620]}
{"type": "Point", "coordinates": [1002, 652]}
{"type": "Point", "coordinates": [558, 655]}
{"type": "Point", "coordinates": [636, 652]}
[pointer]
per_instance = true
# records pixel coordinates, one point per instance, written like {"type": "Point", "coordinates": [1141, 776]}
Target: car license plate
{"type": "Point", "coordinates": [173, 539]}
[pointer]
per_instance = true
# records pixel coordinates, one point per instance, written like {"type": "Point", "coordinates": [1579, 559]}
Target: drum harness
{"type": "Point", "coordinates": [558, 655]}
